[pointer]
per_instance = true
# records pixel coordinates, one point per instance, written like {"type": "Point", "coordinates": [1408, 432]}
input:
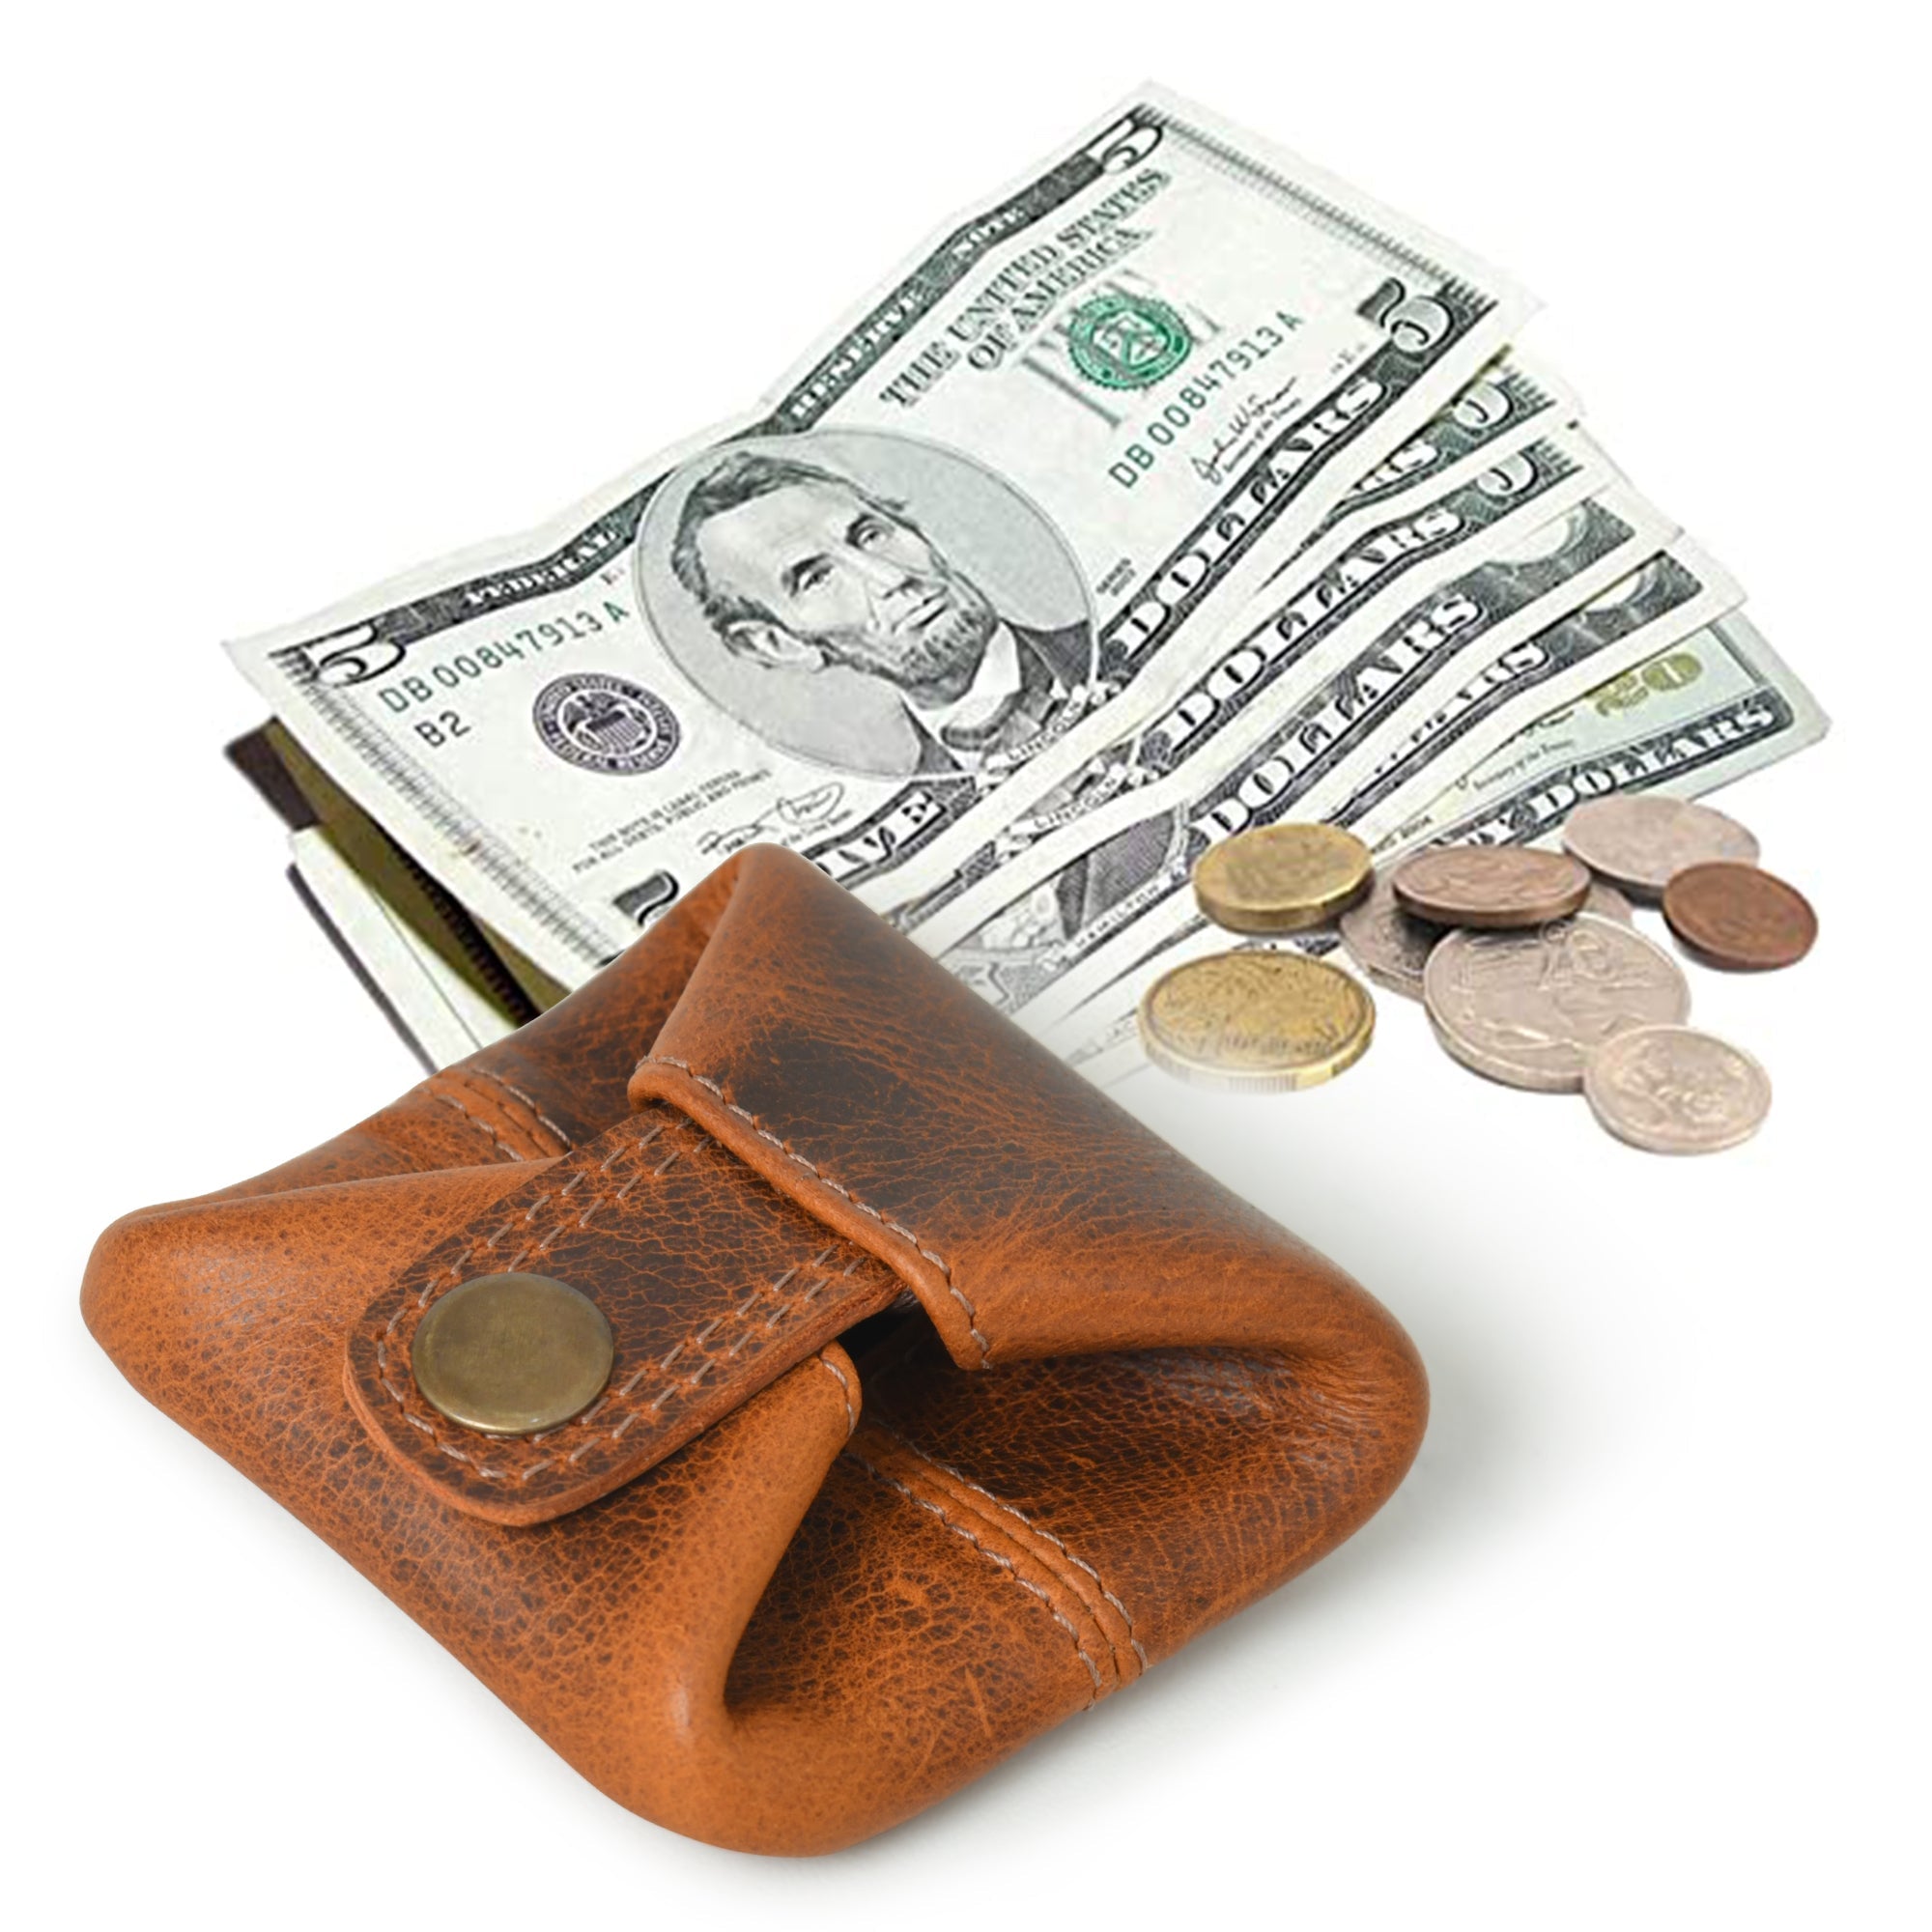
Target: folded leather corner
{"type": "Point", "coordinates": [186, 1298]}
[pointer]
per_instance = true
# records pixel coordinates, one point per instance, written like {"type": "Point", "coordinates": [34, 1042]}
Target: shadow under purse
{"type": "Point", "coordinates": [869, 1393]}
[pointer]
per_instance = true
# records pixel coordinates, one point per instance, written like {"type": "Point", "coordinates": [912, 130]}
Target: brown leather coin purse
{"type": "Point", "coordinates": [943, 1399]}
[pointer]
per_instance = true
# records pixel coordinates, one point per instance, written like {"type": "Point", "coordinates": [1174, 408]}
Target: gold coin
{"type": "Point", "coordinates": [1258, 1021]}
{"type": "Point", "coordinates": [1282, 878]}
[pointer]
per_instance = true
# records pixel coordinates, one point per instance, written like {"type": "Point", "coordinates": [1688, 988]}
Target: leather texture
{"type": "Point", "coordinates": [948, 1398]}
{"type": "Point", "coordinates": [713, 1288]}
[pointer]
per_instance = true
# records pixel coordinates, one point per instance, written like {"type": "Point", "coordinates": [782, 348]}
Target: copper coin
{"type": "Point", "coordinates": [1740, 917]}
{"type": "Point", "coordinates": [1495, 887]}
{"type": "Point", "coordinates": [1282, 878]}
{"type": "Point", "coordinates": [1392, 948]}
{"type": "Point", "coordinates": [1641, 841]}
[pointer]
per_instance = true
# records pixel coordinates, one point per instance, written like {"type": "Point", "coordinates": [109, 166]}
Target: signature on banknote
{"type": "Point", "coordinates": [784, 822]}
{"type": "Point", "coordinates": [1245, 429]}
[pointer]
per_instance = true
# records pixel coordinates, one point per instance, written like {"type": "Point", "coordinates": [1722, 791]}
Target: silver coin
{"type": "Point", "coordinates": [1640, 840]}
{"type": "Point", "coordinates": [1672, 1090]}
{"type": "Point", "coordinates": [1389, 943]}
{"type": "Point", "coordinates": [1606, 902]}
{"type": "Point", "coordinates": [1528, 1007]}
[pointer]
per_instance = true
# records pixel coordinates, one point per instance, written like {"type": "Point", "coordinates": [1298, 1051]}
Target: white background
{"type": "Point", "coordinates": [296, 298]}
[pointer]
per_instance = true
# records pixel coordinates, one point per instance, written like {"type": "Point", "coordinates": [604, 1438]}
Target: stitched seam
{"type": "Point", "coordinates": [458, 1270]}
{"type": "Point", "coordinates": [653, 1408]}
{"type": "Point", "coordinates": [477, 1120]}
{"type": "Point", "coordinates": [518, 1094]}
{"type": "Point", "coordinates": [817, 1174]}
{"type": "Point", "coordinates": [1020, 1516]}
{"type": "Point", "coordinates": [845, 1382]}
{"type": "Point", "coordinates": [481, 1244]}
{"type": "Point", "coordinates": [1005, 1563]}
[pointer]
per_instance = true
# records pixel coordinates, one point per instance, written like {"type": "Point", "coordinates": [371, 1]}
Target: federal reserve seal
{"type": "Point", "coordinates": [1126, 342]}
{"type": "Point", "coordinates": [605, 723]}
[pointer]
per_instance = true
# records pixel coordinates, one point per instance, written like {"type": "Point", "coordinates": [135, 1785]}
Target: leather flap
{"type": "Point", "coordinates": [1030, 1214]}
{"type": "Point", "coordinates": [824, 1117]}
{"type": "Point", "coordinates": [714, 1285]}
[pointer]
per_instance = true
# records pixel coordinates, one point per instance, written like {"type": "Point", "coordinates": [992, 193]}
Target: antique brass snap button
{"type": "Point", "coordinates": [512, 1354]}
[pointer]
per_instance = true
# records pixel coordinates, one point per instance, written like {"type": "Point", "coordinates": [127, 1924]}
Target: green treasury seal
{"type": "Point", "coordinates": [1128, 342]}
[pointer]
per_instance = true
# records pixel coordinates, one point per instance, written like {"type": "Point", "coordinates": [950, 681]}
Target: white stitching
{"type": "Point", "coordinates": [477, 1120]}
{"type": "Point", "coordinates": [484, 1073]}
{"type": "Point", "coordinates": [1000, 1503]}
{"type": "Point", "coordinates": [763, 1288]}
{"type": "Point", "coordinates": [845, 1388]}
{"type": "Point", "coordinates": [457, 1269]}
{"type": "Point", "coordinates": [958, 1294]}
{"type": "Point", "coordinates": [992, 1557]}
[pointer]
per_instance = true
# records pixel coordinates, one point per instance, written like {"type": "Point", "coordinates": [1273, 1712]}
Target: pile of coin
{"type": "Point", "coordinates": [1528, 961]}
{"type": "Point", "coordinates": [1262, 1020]}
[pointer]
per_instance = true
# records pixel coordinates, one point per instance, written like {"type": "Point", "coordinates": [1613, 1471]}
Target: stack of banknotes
{"type": "Point", "coordinates": [1176, 489]}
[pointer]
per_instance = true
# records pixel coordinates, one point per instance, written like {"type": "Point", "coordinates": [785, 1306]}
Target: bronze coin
{"type": "Point", "coordinates": [1739, 916]}
{"type": "Point", "coordinates": [1495, 887]}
